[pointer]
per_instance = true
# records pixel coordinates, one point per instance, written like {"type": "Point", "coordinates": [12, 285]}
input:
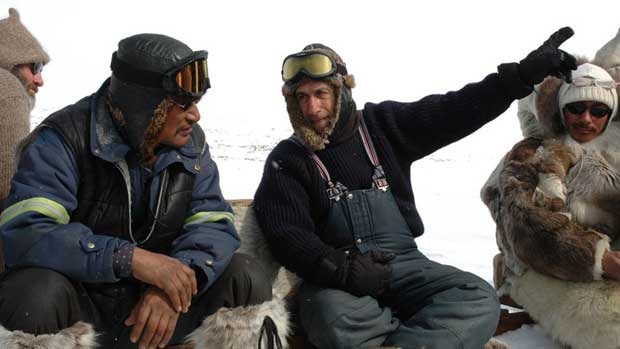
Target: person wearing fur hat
{"type": "Point", "coordinates": [337, 207]}
{"type": "Point", "coordinates": [21, 61]}
{"type": "Point", "coordinates": [115, 217]}
{"type": "Point", "coordinates": [555, 198]}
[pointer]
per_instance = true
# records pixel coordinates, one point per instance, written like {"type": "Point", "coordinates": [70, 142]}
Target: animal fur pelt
{"type": "Point", "coordinates": [79, 336]}
{"type": "Point", "coordinates": [580, 315]}
{"type": "Point", "coordinates": [253, 242]}
{"type": "Point", "coordinates": [495, 344]}
{"type": "Point", "coordinates": [535, 230]}
{"type": "Point", "coordinates": [240, 327]}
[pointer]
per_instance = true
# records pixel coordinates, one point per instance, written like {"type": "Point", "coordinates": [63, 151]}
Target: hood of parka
{"type": "Point", "coordinates": [17, 44]}
{"type": "Point", "coordinates": [343, 122]}
{"type": "Point", "coordinates": [140, 111]}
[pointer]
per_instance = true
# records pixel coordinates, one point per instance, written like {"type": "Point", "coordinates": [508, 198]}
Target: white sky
{"type": "Point", "coordinates": [400, 50]}
{"type": "Point", "coordinates": [397, 50]}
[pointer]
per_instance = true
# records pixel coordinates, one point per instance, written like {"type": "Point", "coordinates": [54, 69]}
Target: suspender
{"type": "Point", "coordinates": [378, 177]}
{"type": "Point", "coordinates": [334, 191]}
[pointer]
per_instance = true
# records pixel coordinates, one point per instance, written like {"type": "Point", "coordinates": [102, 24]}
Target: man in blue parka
{"type": "Point", "coordinates": [115, 215]}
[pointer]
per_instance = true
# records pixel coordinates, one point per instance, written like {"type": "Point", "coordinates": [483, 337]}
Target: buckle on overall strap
{"type": "Point", "coordinates": [378, 179]}
{"type": "Point", "coordinates": [335, 191]}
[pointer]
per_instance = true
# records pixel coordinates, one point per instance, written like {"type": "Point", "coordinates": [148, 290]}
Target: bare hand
{"type": "Point", "coordinates": [153, 320]}
{"type": "Point", "coordinates": [176, 279]}
{"type": "Point", "coordinates": [611, 265]}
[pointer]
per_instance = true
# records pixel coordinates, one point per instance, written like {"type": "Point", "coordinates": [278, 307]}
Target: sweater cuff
{"type": "Point", "coordinates": [511, 81]}
{"type": "Point", "coordinates": [602, 246]}
{"type": "Point", "coordinates": [122, 261]}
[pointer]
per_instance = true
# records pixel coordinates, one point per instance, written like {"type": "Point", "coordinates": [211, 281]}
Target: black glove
{"type": "Point", "coordinates": [369, 273]}
{"type": "Point", "coordinates": [365, 274]}
{"type": "Point", "coordinates": [548, 59]}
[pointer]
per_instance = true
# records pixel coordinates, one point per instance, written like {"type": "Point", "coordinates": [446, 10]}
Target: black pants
{"type": "Point", "coordinates": [38, 301]}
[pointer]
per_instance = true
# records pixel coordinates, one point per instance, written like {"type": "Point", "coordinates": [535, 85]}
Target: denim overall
{"type": "Point", "coordinates": [428, 305]}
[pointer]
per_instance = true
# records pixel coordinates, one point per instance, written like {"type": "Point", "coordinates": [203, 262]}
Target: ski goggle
{"type": "Point", "coordinates": [579, 108]}
{"type": "Point", "coordinates": [190, 78]}
{"type": "Point", "coordinates": [186, 82]}
{"type": "Point", "coordinates": [586, 81]}
{"type": "Point", "coordinates": [312, 64]}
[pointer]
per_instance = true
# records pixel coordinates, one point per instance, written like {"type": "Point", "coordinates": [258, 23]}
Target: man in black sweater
{"type": "Point", "coordinates": [336, 203]}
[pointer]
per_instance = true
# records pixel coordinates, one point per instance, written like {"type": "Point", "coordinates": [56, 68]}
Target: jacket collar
{"type": "Point", "coordinates": [108, 144]}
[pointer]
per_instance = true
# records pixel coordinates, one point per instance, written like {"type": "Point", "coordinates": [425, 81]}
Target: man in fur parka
{"type": "Point", "coordinates": [555, 198]}
{"type": "Point", "coordinates": [337, 207]}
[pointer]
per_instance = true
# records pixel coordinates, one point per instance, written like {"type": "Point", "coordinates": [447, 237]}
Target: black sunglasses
{"type": "Point", "coordinates": [35, 68]}
{"type": "Point", "coordinates": [580, 108]}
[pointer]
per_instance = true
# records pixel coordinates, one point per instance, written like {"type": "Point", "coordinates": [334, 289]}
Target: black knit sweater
{"type": "Point", "coordinates": [291, 202]}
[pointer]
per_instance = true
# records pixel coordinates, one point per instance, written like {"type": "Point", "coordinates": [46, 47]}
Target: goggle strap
{"type": "Point", "coordinates": [129, 73]}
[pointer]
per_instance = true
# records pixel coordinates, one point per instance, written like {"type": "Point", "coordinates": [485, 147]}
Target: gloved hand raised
{"type": "Point", "coordinates": [548, 59]}
{"type": "Point", "coordinates": [365, 274]}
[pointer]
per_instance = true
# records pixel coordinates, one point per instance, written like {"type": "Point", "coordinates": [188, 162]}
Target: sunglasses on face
{"type": "Point", "coordinates": [580, 108]}
{"type": "Point", "coordinates": [184, 102]}
{"type": "Point", "coordinates": [35, 68]}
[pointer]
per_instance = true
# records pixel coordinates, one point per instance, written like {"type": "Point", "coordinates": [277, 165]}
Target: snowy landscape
{"type": "Point", "coordinates": [397, 50]}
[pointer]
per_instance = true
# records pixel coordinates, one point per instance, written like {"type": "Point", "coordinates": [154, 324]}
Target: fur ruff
{"type": "Point", "coordinates": [240, 327]}
{"type": "Point", "coordinates": [303, 127]}
{"type": "Point", "coordinates": [582, 315]}
{"type": "Point", "coordinates": [79, 336]}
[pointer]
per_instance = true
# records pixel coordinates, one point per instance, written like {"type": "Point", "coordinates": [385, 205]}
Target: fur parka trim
{"type": "Point", "coordinates": [79, 336]}
{"type": "Point", "coordinates": [240, 327]}
{"type": "Point", "coordinates": [302, 126]}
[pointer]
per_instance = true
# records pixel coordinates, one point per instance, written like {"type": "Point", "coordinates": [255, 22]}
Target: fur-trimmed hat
{"type": "Point", "coordinates": [342, 85]}
{"type": "Point", "coordinates": [17, 45]}
{"type": "Point", "coordinates": [570, 93]}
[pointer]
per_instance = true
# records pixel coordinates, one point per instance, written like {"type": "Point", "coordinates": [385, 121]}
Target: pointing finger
{"type": "Point", "coordinates": [556, 39]}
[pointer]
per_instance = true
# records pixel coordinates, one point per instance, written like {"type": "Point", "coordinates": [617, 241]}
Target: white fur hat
{"type": "Point", "coordinates": [570, 93]}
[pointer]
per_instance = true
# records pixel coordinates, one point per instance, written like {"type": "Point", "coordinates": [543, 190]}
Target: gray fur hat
{"type": "Point", "coordinates": [342, 85]}
{"type": "Point", "coordinates": [17, 45]}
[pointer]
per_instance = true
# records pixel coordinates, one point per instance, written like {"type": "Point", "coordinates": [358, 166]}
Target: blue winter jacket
{"type": "Point", "coordinates": [36, 227]}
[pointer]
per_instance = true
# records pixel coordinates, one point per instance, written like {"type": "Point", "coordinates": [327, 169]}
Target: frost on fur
{"type": "Point", "coordinates": [79, 336]}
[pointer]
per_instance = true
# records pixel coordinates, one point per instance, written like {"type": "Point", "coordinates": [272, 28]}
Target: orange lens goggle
{"type": "Point", "coordinates": [193, 77]}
